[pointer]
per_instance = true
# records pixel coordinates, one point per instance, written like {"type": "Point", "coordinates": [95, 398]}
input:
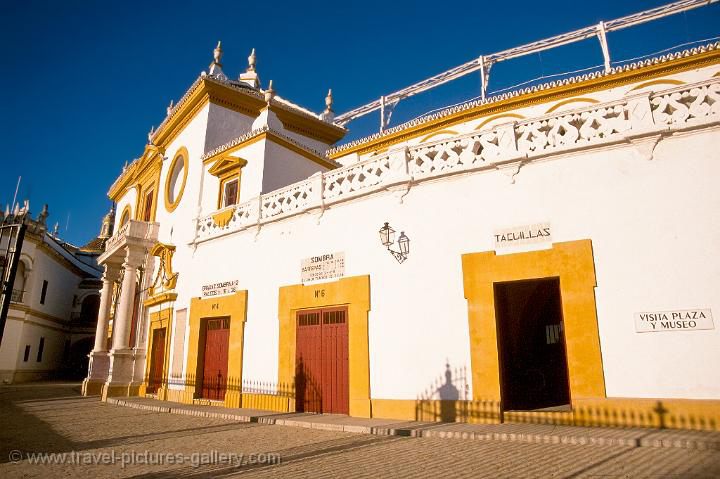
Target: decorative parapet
{"type": "Point", "coordinates": [503, 147]}
{"type": "Point", "coordinates": [134, 232]}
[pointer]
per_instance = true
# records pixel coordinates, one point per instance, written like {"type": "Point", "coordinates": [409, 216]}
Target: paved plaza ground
{"type": "Point", "coordinates": [96, 439]}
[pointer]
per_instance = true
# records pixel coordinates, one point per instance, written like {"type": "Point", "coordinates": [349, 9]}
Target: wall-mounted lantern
{"type": "Point", "coordinates": [387, 238]}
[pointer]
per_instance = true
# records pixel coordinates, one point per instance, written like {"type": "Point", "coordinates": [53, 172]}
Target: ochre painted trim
{"type": "Point", "coordinates": [123, 218]}
{"type": "Point", "coordinates": [529, 99]}
{"type": "Point", "coordinates": [223, 217]}
{"type": "Point", "coordinates": [152, 157]}
{"type": "Point", "coordinates": [181, 153]}
{"type": "Point", "coordinates": [353, 292]}
{"type": "Point", "coordinates": [208, 91]}
{"type": "Point", "coordinates": [159, 299]}
{"type": "Point", "coordinates": [497, 117]}
{"type": "Point", "coordinates": [227, 168]}
{"type": "Point", "coordinates": [557, 105]}
{"type": "Point", "coordinates": [438, 133]}
{"type": "Point", "coordinates": [572, 262]}
{"type": "Point", "coordinates": [268, 135]}
{"type": "Point", "coordinates": [660, 81]}
{"type": "Point", "coordinates": [233, 306]}
{"type": "Point", "coordinates": [158, 320]}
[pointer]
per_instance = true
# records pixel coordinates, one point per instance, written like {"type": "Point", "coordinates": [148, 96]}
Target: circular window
{"type": "Point", "coordinates": [175, 183]}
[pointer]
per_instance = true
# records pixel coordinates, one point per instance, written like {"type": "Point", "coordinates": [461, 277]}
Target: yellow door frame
{"type": "Point", "coordinates": [355, 293]}
{"type": "Point", "coordinates": [573, 263]}
{"type": "Point", "coordinates": [233, 306]}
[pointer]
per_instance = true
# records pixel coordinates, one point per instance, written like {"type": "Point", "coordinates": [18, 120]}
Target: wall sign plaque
{"type": "Point", "coordinates": [680, 320]}
{"type": "Point", "coordinates": [219, 289]}
{"type": "Point", "coordinates": [324, 266]}
{"type": "Point", "coordinates": [525, 237]}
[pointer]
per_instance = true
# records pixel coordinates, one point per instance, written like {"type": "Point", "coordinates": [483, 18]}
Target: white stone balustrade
{"type": "Point", "coordinates": [681, 107]}
{"type": "Point", "coordinates": [133, 232]}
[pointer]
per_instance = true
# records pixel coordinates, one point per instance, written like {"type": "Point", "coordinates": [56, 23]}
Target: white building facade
{"type": "Point", "coordinates": [561, 263]}
{"type": "Point", "coordinates": [53, 310]}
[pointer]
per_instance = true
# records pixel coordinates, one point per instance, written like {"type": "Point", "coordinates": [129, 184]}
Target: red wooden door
{"type": "Point", "coordinates": [321, 359]}
{"type": "Point", "coordinates": [215, 365]}
{"type": "Point", "coordinates": [157, 360]}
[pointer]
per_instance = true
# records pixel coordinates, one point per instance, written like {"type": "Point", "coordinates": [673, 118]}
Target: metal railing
{"type": "Point", "coordinates": [483, 63]}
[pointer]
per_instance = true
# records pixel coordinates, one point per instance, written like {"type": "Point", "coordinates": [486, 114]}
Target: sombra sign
{"type": "Point", "coordinates": [681, 320]}
{"type": "Point", "coordinates": [324, 266]}
{"type": "Point", "coordinates": [523, 238]}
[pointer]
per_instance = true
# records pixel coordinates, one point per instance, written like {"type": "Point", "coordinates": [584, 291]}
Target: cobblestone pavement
{"type": "Point", "coordinates": [95, 439]}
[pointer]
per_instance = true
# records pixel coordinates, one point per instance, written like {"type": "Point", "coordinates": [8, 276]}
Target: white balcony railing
{"type": "Point", "coordinates": [133, 231]}
{"type": "Point", "coordinates": [632, 117]}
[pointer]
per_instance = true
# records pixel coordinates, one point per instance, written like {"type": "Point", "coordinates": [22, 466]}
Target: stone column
{"type": "Point", "coordinates": [121, 355]}
{"type": "Point", "coordinates": [99, 360]}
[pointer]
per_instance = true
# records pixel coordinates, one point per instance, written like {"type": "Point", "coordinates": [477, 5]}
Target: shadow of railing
{"type": "Point", "coordinates": [447, 399]}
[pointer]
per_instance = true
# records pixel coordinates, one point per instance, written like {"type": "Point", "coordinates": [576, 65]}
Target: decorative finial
{"type": "Point", "coordinates": [56, 228]}
{"type": "Point", "coordinates": [328, 114]}
{"type": "Point", "coordinates": [150, 135]}
{"type": "Point", "coordinates": [216, 66]}
{"type": "Point", "coordinates": [329, 100]}
{"type": "Point", "coordinates": [251, 61]}
{"type": "Point", "coordinates": [125, 167]}
{"type": "Point", "coordinates": [217, 53]}
{"type": "Point", "coordinates": [169, 108]}
{"type": "Point", "coordinates": [42, 217]}
{"type": "Point", "coordinates": [269, 93]}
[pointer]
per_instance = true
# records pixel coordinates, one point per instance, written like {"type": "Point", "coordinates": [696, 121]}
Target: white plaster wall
{"type": "Point", "coordinates": [10, 346]}
{"type": "Point", "coordinates": [224, 125]}
{"type": "Point", "coordinates": [654, 235]}
{"type": "Point", "coordinates": [284, 167]}
{"type": "Point", "coordinates": [129, 198]}
{"type": "Point", "coordinates": [52, 350]}
{"type": "Point", "coordinates": [62, 285]}
{"type": "Point", "coordinates": [316, 145]}
{"type": "Point", "coordinates": [251, 179]}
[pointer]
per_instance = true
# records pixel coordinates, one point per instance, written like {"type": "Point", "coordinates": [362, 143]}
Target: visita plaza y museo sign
{"type": "Point", "coordinates": [681, 320]}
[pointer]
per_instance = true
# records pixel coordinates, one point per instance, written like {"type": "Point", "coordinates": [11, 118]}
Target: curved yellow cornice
{"type": "Point", "coordinates": [572, 100]}
{"type": "Point", "coordinates": [438, 133]}
{"type": "Point", "coordinates": [126, 215]}
{"type": "Point", "coordinates": [181, 153]}
{"type": "Point", "coordinates": [659, 81]}
{"type": "Point", "coordinates": [515, 116]}
{"type": "Point", "coordinates": [545, 95]}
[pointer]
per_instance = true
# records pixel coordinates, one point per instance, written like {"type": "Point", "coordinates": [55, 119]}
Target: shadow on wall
{"type": "Point", "coordinates": [448, 399]}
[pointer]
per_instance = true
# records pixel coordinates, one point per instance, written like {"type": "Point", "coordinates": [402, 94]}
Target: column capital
{"type": "Point", "coordinates": [133, 258]}
{"type": "Point", "coordinates": [112, 271]}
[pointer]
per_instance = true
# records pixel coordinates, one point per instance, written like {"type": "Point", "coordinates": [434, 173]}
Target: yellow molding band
{"type": "Point", "coordinates": [160, 298]}
{"type": "Point", "coordinates": [696, 414]}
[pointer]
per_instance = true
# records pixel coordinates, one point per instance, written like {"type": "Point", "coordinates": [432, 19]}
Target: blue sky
{"type": "Point", "coordinates": [85, 80]}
